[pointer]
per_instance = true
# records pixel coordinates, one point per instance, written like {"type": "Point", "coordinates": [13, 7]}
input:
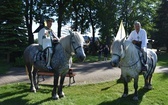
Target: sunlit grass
{"type": "Point", "coordinates": [108, 93]}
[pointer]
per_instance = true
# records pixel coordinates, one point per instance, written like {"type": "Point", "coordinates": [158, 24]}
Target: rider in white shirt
{"type": "Point", "coordinates": [139, 38]}
{"type": "Point", "coordinates": [46, 36]}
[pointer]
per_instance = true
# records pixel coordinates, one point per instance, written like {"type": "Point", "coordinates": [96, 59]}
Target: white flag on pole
{"type": "Point", "coordinates": [121, 32]}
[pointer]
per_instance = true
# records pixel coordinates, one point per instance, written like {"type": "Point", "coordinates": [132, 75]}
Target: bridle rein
{"type": "Point", "coordinates": [75, 49]}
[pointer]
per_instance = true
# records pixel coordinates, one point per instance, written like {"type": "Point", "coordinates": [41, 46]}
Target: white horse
{"type": "Point", "coordinates": [126, 55]}
{"type": "Point", "coordinates": [63, 51]}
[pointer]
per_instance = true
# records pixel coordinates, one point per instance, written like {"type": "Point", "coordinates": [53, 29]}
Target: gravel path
{"type": "Point", "coordinates": [86, 73]}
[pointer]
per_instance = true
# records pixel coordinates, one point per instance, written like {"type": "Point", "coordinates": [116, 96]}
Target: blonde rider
{"type": "Point", "coordinates": [45, 38]}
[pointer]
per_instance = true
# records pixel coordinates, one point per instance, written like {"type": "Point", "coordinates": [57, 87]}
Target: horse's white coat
{"type": "Point", "coordinates": [130, 62]}
{"type": "Point", "coordinates": [127, 55]}
{"type": "Point", "coordinates": [130, 58]}
{"type": "Point", "coordinates": [61, 60]}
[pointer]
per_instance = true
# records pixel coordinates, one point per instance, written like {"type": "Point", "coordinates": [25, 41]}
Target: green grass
{"type": "Point", "coordinates": [108, 93]}
{"type": "Point", "coordinates": [162, 59]}
{"type": "Point", "coordinates": [91, 58]}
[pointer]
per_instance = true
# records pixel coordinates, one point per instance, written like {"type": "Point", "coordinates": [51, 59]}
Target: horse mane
{"type": "Point", "coordinates": [130, 49]}
{"type": "Point", "coordinates": [128, 46]}
{"type": "Point", "coordinates": [116, 45]}
{"type": "Point", "coordinates": [78, 36]}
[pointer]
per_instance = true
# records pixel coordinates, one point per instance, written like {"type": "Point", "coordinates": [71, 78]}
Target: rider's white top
{"type": "Point", "coordinates": [45, 37]}
{"type": "Point", "coordinates": [140, 36]}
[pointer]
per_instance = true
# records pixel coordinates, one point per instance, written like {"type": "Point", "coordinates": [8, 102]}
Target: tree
{"type": "Point", "coordinates": [29, 19]}
{"type": "Point", "coordinates": [107, 20]}
{"type": "Point", "coordinates": [162, 24]}
{"type": "Point", "coordinates": [143, 11]}
{"type": "Point", "coordinates": [12, 30]}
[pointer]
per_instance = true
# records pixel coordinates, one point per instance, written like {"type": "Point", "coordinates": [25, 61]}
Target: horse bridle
{"type": "Point", "coordinates": [117, 55]}
{"type": "Point", "coordinates": [75, 49]}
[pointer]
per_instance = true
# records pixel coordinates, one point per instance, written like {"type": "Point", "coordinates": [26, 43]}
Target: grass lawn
{"type": "Point", "coordinates": [91, 58]}
{"type": "Point", "coordinates": [94, 94]}
{"type": "Point", "coordinates": [162, 59]}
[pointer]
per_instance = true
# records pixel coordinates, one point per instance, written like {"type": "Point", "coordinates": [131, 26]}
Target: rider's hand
{"type": "Point", "coordinates": [54, 38]}
{"type": "Point", "coordinates": [134, 41]}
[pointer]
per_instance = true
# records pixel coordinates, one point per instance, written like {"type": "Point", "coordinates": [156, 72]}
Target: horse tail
{"type": "Point", "coordinates": [26, 70]}
{"type": "Point", "coordinates": [29, 69]}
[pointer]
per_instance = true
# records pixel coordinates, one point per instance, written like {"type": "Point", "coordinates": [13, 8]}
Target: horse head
{"type": "Point", "coordinates": [73, 44]}
{"type": "Point", "coordinates": [117, 52]}
{"type": "Point", "coordinates": [77, 45]}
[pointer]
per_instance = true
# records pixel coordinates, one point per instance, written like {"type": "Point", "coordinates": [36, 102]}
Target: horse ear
{"type": "Point", "coordinates": [122, 40]}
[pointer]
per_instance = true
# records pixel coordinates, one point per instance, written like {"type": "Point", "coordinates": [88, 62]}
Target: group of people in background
{"type": "Point", "coordinates": [103, 50]}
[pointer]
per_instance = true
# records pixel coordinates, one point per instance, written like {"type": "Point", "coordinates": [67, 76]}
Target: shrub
{"type": "Point", "coordinates": [19, 62]}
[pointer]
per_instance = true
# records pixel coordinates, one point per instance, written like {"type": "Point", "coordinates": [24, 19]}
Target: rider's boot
{"type": "Point", "coordinates": [144, 64]}
{"type": "Point", "coordinates": [48, 62]}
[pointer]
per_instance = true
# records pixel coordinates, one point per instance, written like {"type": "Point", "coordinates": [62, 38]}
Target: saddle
{"type": "Point", "coordinates": [141, 55]}
{"type": "Point", "coordinates": [40, 55]}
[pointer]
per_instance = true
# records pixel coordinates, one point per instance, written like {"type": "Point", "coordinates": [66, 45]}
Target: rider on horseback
{"type": "Point", "coordinates": [139, 38]}
{"type": "Point", "coordinates": [46, 37]}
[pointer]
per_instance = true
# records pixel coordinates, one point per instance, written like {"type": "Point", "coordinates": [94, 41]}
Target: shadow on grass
{"type": "Point", "coordinates": [128, 100]}
{"type": "Point", "coordinates": [16, 95]}
{"type": "Point", "coordinates": [106, 88]}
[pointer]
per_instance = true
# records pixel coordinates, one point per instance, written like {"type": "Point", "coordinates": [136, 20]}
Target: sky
{"type": "Point", "coordinates": [64, 30]}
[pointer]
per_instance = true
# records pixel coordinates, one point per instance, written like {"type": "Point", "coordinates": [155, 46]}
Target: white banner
{"type": "Point", "coordinates": [121, 32]}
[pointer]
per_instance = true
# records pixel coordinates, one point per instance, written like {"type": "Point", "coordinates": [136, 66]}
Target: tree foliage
{"type": "Point", "coordinates": [12, 30]}
{"type": "Point", "coordinates": [162, 24]}
{"type": "Point", "coordinates": [84, 15]}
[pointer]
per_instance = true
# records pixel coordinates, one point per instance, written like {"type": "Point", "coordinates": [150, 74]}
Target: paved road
{"type": "Point", "coordinates": [86, 73]}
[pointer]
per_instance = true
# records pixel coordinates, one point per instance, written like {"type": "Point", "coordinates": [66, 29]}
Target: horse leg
{"type": "Point", "coordinates": [136, 88]}
{"type": "Point", "coordinates": [54, 93]}
{"type": "Point", "coordinates": [30, 70]}
{"type": "Point", "coordinates": [35, 79]}
{"type": "Point", "coordinates": [60, 92]}
{"type": "Point", "coordinates": [146, 82]}
{"type": "Point", "coordinates": [149, 82]}
{"type": "Point", "coordinates": [125, 87]}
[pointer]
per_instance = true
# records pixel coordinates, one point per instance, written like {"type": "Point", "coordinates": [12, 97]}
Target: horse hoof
{"type": "Point", "coordinates": [135, 98]}
{"type": "Point", "coordinates": [124, 95]}
{"type": "Point", "coordinates": [145, 87]}
{"type": "Point", "coordinates": [55, 97]}
{"type": "Point", "coordinates": [150, 87]}
{"type": "Point", "coordinates": [61, 95]}
{"type": "Point", "coordinates": [37, 88]}
{"type": "Point", "coordinates": [33, 90]}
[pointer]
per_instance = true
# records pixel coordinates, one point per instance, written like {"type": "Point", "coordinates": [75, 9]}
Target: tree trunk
{"type": "Point", "coordinates": [92, 25]}
{"type": "Point", "coordinates": [60, 16]}
{"type": "Point", "coordinates": [29, 17]}
{"type": "Point", "coordinates": [59, 26]}
{"type": "Point", "coordinates": [93, 33]}
{"type": "Point", "coordinates": [76, 16]}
